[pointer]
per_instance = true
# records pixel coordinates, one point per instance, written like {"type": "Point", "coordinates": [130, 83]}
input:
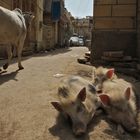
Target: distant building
{"type": "Point", "coordinates": [65, 27]}
{"type": "Point", "coordinates": [83, 26]}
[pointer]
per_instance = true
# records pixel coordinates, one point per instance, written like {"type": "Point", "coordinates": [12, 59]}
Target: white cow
{"type": "Point", "coordinates": [13, 30]}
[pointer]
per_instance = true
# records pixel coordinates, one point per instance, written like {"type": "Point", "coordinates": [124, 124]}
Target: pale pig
{"type": "Point", "coordinates": [119, 99]}
{"type": "Point", "coordinates": [79, 101]}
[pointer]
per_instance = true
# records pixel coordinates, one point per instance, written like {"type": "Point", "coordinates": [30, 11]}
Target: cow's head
{"type": "Point", "coordinates": [28, 16]}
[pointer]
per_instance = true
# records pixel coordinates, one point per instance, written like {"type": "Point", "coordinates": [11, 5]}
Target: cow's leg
{"type": "Point", "coordinates": [19, 51]}
{"type": "Point", "coordinates": [9, 53]}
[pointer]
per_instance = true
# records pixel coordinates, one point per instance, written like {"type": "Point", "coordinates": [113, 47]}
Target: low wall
{"type": "Point", "coordinates": [113, 41]}
{"type": "Point", "coordinates": [114, 27]}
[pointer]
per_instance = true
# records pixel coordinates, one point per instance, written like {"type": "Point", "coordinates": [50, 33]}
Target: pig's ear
{"type": "Point", "coordinates": [82, 95]}
{"type": "Point", "coordinates": [110, 73]}
{"type": "Point", "coordinates": [127, 93]}
{"type": "Point", "coordinates": [105, 99]}
{"type": "Point", "coordinates": [57, 106]}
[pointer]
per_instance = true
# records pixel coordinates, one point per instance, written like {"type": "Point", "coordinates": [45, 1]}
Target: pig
{"type": "Point", "coordinates": [118, 99]}
{"type": "Point", "coordinates": [101, 74]}
{"type": "Point", "coordinates": [78, 100]}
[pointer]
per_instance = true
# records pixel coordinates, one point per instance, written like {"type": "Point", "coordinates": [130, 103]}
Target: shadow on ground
{"type": "Point", "coordinates": [13, 61]}
{"type": "Point", "coordinates": [53, 52]}
{"type": "Point", "coordinates": [5, 77]}
{"type": "Point", "coordinates": [48, 53]}
{"type": "Point", "coordinates": [63, 129]}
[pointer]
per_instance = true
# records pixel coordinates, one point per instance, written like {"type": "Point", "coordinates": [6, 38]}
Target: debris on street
{"type": "Point", "coordinates": [85, 59]}
{"type": "Point", "coordinates": [58, 75]}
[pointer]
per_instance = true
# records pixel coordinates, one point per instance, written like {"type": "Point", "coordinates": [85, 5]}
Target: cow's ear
{"type": "Point", "coordinates": [57, 106]}
{"type": "Point", "coordinates": [127, 93]}
{"type": "Point", "coordinates": [82, 94]}
{"type": "Point", "coordinates": [110, 73]}
{"type": "Point", "coordinates": [105, 99]}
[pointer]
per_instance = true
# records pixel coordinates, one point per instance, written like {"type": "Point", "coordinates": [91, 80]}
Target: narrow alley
{"type": "Point", "coordinates": [25, 96]}
{"type": "Point", "coordinates": [97, 43]}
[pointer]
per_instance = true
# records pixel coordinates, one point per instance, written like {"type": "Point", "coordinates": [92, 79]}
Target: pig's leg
{"type": "Point", "coordinates": [120, 130]}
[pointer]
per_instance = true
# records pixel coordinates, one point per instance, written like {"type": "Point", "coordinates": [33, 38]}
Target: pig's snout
{"type": "Point", "coordinates": [98, 88]}
{"type": "Point", "coordinates": [79, 132]}
{"type": "Point", "coordinates": [133, 129]}
{"type": "Point", "coordinates": [79, 129]}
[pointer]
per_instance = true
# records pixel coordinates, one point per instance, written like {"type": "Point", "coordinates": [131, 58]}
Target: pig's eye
{"type": "Point", "coordinates": [96, 79]}
{"type": "Point", "coordinates": [96, 101]}
{"type": "Point", "coordinates": [104, 79]}
{"type": "Point", "coordinates": [79, 109]}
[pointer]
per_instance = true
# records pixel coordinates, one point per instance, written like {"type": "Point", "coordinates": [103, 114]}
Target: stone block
{"type": "Point", "coordinates": [113, 41]}
{"type": "Point", "coordinates": [114, 23]}
{"type": "Point", "coordinates": [105, 2]}
{"type": "Point", "coordinates": [127, 1]}
{"type": "Point", "coordinates": [102, 10]}
{"type": "Point", "coordinates": [124, 10]}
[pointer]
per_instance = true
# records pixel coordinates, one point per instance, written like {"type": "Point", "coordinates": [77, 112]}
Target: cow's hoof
{"type": "Point", "coordinates": [21, 68]}
{"type": "Point", "coordinates": [5, 66]}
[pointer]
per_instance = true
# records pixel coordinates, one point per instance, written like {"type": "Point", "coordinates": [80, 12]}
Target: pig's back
{"type": "Point", "coordinates": [76, 83]}
{"type": "Point", "coordinates": [117, 87]}
{"type": "Point", "coordinates": [116, 84]}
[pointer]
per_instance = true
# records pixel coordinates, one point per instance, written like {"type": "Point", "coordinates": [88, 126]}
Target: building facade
{"type": "Point", "coordinates": [138, 29]}
{"type": "Point", "coordinates": [33, 40]}
{"type": "Point", "coordinates": [50, 27]}
{"type": "Point", "coordinates": [83, 26]}
{"type": "Point", "coordinates": [57, 24]}
{"type": "Point", "coordinates": [114, 27]}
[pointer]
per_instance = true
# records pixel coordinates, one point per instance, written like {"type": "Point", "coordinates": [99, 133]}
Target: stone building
{"type": "Point", "coordinates": [138, 29]}
{"type": "Point", "coordinates": [83, 26]}
{"type": "Point", "coordinates": [114, 27]}
{"type": "Point", "coordinates": [33, 40]}
{"type": "Point", "coordinates": [69, 29]}
{"type": "Point", "coordinates": [49, 27]}
{"type": "Point", "coordinates": [55, 24]}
